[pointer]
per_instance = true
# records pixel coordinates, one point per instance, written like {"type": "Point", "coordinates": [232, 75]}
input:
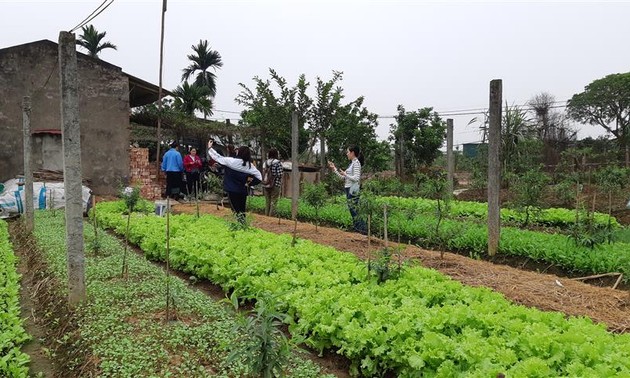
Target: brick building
{"type": "Point", "coordinates": [106, 96]}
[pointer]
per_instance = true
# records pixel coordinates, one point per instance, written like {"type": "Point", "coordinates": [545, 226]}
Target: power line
{"type": "Point", "coordinates": [92, 15]}
{"type": "Point", "coordinates": [459, 112]}
{"type": "Point", "coordinates": [227, 111]}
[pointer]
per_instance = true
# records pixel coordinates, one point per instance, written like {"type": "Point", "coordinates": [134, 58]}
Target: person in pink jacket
{"type": "Point", "coordinates": [192, 166]}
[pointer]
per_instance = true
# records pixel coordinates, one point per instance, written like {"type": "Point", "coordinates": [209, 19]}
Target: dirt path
{"type": "Point", "coordinates": [544, 291]}
{"type": "Point", "coordinates": [40, 365]}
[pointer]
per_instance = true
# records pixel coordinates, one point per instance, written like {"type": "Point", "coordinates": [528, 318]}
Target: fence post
{"type": "Point", "coordinates": [71, 144]}
{"type": "Point", "coordinates": [450, 161]}
{"type": "Point", "coordinates": [494, 166]}
{"type": "Point", "coordinates": [29, 216]}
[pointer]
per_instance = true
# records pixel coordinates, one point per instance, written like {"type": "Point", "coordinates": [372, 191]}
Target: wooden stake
{"type": "Point", "coordinates": [168, 248]}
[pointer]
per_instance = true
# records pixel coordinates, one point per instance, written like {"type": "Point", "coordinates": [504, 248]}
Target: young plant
{"type": "Point", "coordinates": [214, 186]}
{"type": "Point", "coordinates": [435, 187]}
{"type": "Point", "coordinates": [263, 347]}
{"type": "Point", "coordinates": [383, 268]}
{"type": "Point", "coordinates": [315, 195]}
{"type": "Point", "coordinates": [610, 179]}
{"type": "Point", "coordinates": [529, 188]}
{"type": "Point", "coordinates": [131, 196]}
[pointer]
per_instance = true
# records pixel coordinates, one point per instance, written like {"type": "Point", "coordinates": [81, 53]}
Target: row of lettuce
{"type": "Point", "coordinates": [122, 322]}
{"type": "Point", "coordinates": [472, 237]}
{"type": "Point", "coordinates": [13, 362]}
{"type": "Point", "coordinates": [552, 217]}
{"type": "Point", "coordinates": [421, 324]}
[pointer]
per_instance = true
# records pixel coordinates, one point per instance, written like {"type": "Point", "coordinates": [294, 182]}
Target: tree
{"type": "Point", "coordinates": [202, 61]}
{"type": "Point", "coordinates": [551, 127]}
{"type": "Point", "coordinates": [90, 40]}
{"type": "Point", "coordinates": [327, 103]}
{"type": "Point", "coordinates": [190, 98]}
{"type": "Point", "coordinates": [268, 113]}
{"type": "Point", "coordinates": [606, 102]}
{"type": "Point", "coordinates": [517, 140]}
{"type": "Point", "coordinates": [417, 137]}
{"type": "Point", "coordinates": [315, 195]}
{"type": "Point", "coordinates": [354, 125]}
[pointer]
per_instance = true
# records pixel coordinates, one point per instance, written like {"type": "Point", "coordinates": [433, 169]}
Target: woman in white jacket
{"type": "Point", "coordinates": [240, 173]}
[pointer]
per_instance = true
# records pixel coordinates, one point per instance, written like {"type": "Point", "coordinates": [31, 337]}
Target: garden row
{"type": "Point", "coordinates": [472, 238]}
{"type": "Point", "coordinates": [421, 323]}
{"type": "Point", "coordinates": [122, 324]}
{"type": "Point", "coordinates": [552, 217]}
{"type": "Point", "coordinates": [13, 363]}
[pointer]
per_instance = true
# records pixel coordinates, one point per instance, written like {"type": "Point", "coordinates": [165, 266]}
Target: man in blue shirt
{"type": "Point", "coordinates": [173, 165]}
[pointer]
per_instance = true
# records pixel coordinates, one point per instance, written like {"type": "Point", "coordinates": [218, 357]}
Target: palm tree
{"type": "Point", "coordinates": [201, 61]}
{"type": "Point", "coordinates": [91, 41]}
{"type": "Point", "coordinates": [189, 98]}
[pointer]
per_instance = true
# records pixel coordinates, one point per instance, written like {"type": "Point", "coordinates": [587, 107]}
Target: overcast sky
{"type": "Point", "coordinates": [438, 54]}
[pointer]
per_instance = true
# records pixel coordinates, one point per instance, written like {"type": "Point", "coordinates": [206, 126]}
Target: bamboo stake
{"type": "Point", "coordinates": [168, 246]}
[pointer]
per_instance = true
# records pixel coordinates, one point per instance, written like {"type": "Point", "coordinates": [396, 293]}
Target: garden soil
{"type": "Point", "coordinates": [544, 291]}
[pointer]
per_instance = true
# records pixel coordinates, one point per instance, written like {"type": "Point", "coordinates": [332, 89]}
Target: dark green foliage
{"type": "Point", "coordinates": [90, 39]}
{"type": "Point", "coordinates": [383, 268]}
{"type": "Point", "coordinates": [264, 348]}
{"type": "Point", "coordinates": [268, 109]}
{"type": "Point", "coordinates": [422, 133]}
{"type": "Point", "coordinates": [203, 59]}
{"type": "Point", "coordinates": [390, 186]}
{"type": "Point", "coordinates": [354, 125]}
{"type": "Point", "coordinates": [190, 98]}
{"type": "Point", "coordinates": [315, 195]}
{"type": "Point", "coordinates": [605, 102]}
{"type": "Point", "coordinates": [131, 196]}
{"type": "Point", "coordinates": [529, 188]}
{"type": "Point", "coordinates": [332, 183]}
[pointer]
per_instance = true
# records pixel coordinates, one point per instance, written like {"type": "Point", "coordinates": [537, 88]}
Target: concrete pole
{"type": "Point", "coordinates": [494, 166]}
{"type": "Point", "coordinates": [71, 143]}
{"type": "Point", "coordinates": [450, 158]}
{"type": "Point", "coordinates": [295, 171]}
{"type": "Point", "coordinates": [29, 217]}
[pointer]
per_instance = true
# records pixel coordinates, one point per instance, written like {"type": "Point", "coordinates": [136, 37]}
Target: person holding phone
{"type": "Point", "coordinates": [240, 174]}
{"type": "Point", "coordinates": [352, 185]}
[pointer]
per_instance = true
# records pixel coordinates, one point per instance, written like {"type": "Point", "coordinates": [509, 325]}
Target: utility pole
{"type": "Point", "coordinates": [494, 166]}
{"type": "Point", "coordinates": [29, 213]}
{"type": "Point", "coordinates": [450, 161]}
{"type": "Point", "coordinates": [159, 118]}
{"type": "Point", "coordinates": [71, 143]}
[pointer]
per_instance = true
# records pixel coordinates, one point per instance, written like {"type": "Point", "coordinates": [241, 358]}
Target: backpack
{"type": "Point", "coordinates": [267, 177]}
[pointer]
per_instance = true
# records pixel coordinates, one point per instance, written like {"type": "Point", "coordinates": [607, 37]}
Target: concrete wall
{"type": "Point", "coordinates": [32, 69]}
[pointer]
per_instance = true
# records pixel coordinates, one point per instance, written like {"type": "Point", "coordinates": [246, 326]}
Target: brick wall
{"type": "Point", "coordinates": [152, 182]}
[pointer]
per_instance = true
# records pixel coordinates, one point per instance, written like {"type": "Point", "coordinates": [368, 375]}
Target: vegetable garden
{"type": "Point", "coordinates": [422, 321]}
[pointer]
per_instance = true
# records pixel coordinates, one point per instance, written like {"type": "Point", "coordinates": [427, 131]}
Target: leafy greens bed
{"type": "Point", "coordinates": [122, 322]}
{"type": "Point", "coordinates": [472, 237]}
{"type": "Point", "coordinates": [13, 363]}
{"type": "Point", "coordinates": [422, 324]}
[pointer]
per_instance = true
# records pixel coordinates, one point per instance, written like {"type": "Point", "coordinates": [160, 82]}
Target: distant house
{"type": "Point", "coordinates": [106, 96]}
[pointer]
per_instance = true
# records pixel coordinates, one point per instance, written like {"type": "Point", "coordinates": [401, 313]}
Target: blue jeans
{"type": "Point", "coordinates": [353, 205]}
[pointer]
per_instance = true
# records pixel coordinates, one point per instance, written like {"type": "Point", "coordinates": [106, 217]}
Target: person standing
{"type": "Point", "coordinates": [192, 165]}
{"type": "Point", "coordinates": [173, 165]}
{"type": "Point", "coordinates": [352, 185]}
{"type": "Point", "coordinates": [240, 173]}
{"type": "Point", "coordinates": [272, 181]}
